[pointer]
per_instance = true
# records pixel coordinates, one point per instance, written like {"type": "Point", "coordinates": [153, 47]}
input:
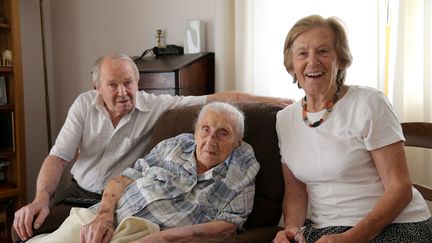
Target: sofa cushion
{"type": "Point", "coordinates": [260, 133]}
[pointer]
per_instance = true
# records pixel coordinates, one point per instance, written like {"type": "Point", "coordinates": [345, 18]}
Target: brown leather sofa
{"type": "Point", "coordinates": [260, 133]}
{"type": "Point", "coordinates": [260, 119]}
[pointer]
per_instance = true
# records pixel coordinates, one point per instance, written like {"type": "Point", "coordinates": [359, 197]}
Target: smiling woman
{"type": "Point", "coordinates": [356, 159]}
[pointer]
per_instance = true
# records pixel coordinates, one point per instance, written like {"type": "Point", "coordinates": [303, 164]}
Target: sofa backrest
{"type": "Point", "coordinates": [260, 133]}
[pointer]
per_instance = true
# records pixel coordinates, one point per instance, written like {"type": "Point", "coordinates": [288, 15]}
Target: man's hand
{"type": "Point", "coordinates": [23, 221]}
{"type": "Point", "coordinates": [284, 102]}
{"type": "Point", "coordinates": [99, 230]}
{"type": "Point", "coordinates": [38, 210]}
{"type": "Point", "coordinates": [239, 96]}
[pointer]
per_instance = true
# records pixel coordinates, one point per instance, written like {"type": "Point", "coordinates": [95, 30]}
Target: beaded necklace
{"type": "Point", "coordinates": [328, 109]}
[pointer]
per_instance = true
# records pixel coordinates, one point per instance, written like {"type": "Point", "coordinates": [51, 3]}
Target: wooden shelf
{"type": "Point", "coordinates": [6, 153]}
{"type": "Point", "coordinates": [7, 107]}
{"type": "Point", "coordinates": [12, 140]}
{"type": "Point", "coordinates": [6, 69]}
{"type": "Point", "coordinates": [4, 26]}
{"type": "Point", "coordinates": [7, 191]}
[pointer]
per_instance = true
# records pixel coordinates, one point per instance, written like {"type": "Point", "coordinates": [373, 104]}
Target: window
{"type": "Point", "coordinates": [274, 18]}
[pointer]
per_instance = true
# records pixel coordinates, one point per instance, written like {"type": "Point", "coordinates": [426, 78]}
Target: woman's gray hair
{"type": "Point", "coordinates": [114, 57]}
{"type": "Point", "coordinates": [341, 42]}
{"type": "Point", "coordinates": [227, 109]}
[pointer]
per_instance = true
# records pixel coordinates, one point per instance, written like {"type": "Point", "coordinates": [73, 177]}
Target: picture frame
{"type": "Point", "coordinates": [3, 91]}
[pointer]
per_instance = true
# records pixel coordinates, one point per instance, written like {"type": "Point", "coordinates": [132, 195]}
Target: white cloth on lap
{"type": "Point", "coordinates": [129, 229]}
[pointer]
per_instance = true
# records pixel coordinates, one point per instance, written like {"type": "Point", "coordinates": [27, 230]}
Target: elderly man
{"type": "Point", "coordinates": [110, 127]}
{"type": "Point", "coordinates": [191, 186]}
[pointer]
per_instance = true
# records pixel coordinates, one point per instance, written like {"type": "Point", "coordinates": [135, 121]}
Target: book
{"type": "Point", "coordinates": [4, 164]}
{"type": "Point", "coordinates": [3, 93]}
{"type": "Point", "coordinates": [7, 131]}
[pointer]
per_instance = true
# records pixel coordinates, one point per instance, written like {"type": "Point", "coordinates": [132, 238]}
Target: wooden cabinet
{"type": "Point", "coordinates": [12, 147]}
{"type": "Point", "coordinates": [189, 74]}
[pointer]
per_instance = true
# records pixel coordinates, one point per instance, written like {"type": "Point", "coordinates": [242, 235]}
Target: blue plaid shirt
{"type": "Point", "coordinates": [168, 191]}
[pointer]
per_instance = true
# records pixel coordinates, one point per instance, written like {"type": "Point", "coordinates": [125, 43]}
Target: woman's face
{"type": "Point", "coordinates": [215, 138]}
{"type": "Point", "coordinates": [315, 61]}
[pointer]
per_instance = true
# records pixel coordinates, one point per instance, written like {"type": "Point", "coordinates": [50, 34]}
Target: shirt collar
{"type": "Point", "coordinates": [188, 155]}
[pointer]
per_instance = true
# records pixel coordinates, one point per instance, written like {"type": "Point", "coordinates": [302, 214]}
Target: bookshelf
{"type": "Point", "coordinates": [12, 146]}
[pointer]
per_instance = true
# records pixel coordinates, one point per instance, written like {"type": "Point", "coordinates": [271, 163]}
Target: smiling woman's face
{"type": "Point", "coordinates": [315, 60]}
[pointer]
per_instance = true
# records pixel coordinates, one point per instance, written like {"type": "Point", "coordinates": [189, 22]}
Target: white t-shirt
{"type": "Point", "coordinates": [334, 161]}
{"type": "Point", "coordinates": [106, 151]}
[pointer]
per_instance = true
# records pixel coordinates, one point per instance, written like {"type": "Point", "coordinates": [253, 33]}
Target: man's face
{"type": "Point", "coordinates": [117, 86]}
{"type": "Point", "coordinates": [216, 138]}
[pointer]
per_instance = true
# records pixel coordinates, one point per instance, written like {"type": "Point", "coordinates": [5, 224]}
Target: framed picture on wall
{"type": "Point", "coordinates": [3, 93]}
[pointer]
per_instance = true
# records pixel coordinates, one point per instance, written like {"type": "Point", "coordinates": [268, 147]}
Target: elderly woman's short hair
{"type": "Point", "coordinates": [227, 109]}
{"type": "Point", "coordinates": [341, 42]}
{"type": "Point", "coordinates": [114, 57]}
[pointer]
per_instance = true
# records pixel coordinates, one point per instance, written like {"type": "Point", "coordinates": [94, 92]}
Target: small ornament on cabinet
{"type": "Point", "coordinates": [7, 60]}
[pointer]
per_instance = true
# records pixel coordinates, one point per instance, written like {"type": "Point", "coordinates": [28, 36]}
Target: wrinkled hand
{"type": "Point", "coordinates": [282, 102]}
{"type": "Point", "coordinates": [99, 230]}
{"type": "Point", "coordinates": [289, 235]}
{"type": "Point", "coordinates": [155, 237]}
{"type": "Point", "coordinates": [336, 238]}
{"type": "Point", "coordinates": [23, 221]}
{"type": "Point", "coordinates": [286, 102]}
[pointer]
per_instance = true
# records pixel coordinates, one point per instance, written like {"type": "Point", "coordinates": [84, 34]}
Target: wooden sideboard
{"type": "Point", "coordinates": [188, 74]}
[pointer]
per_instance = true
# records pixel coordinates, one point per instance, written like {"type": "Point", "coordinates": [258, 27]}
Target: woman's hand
{"type": "Point", "coordinates": [290, 235]}
{"type": "Point", "coordinates": [99, 230]}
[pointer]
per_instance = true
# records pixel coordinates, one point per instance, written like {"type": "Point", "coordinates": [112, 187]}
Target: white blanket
{"type": "Point", "coordinates": [129, 229]}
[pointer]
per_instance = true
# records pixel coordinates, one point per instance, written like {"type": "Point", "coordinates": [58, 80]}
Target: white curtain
{"type": "Point", "coordinates": [233, 45]}
{"type": "Point", "coordinates": [224, 45]}
{"type": "Point", "coordinates": [409, 72]}
{"type": "Point", "coordinates": [409, 82]}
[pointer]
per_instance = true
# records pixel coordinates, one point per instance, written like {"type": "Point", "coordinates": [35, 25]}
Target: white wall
{"type": "Point", "coordinates": [34, 94]}
{"type": "Point", "coordinates": [83, 30]}
{"type": "Point", "coordinates": [79, 31]}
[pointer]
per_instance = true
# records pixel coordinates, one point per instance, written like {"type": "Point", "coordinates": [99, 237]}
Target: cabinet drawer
{"type": "Point", "coordinates": [161, 91]}
{"type": "Point", "coordinates": [157, 80]}
{"type": "Point", "coordinates": [188, 74]}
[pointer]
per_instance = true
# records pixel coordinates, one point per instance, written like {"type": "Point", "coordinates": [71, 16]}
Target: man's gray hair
{"type": "Point", "coordinates": [114, 57]}
{"type": "Point", "coordinates": [227, 109]}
